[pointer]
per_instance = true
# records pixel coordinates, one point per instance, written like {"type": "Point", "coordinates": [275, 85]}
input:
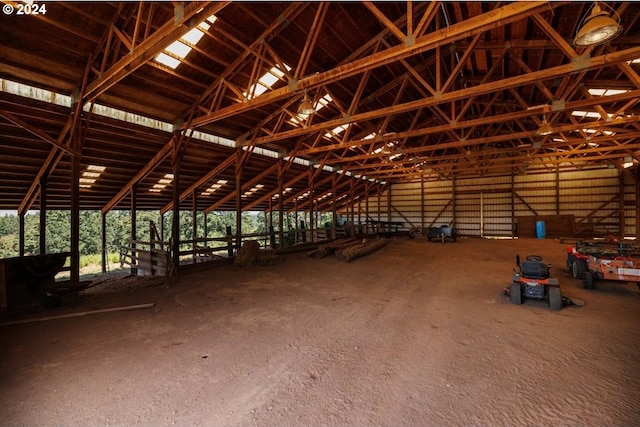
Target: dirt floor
{"type": "Point", "coordinates": [416, 334]}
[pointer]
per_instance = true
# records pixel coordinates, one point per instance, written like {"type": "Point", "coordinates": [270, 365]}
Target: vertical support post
{"type": "Point", "coordinates": [269, 220]}
{"type": "Point", "coordinates": [637, 201]}
{"type": "Point", "coordinates": [75, 219]}
{"type": "Point", "coordinates": [194, 223]}
{"type": "Point", "coordinates": [621, 208]}
{"type": "Point", "coordinates": [334, 214]}
{"type": "Point", "coordinates": [311, 207]}
{"type": "Point", "coordinates": [21, 234]}
{"type": "Point", "coordinates": [134, 229]}
{"type": "Point", "coordinates": [366, 214]}
{"type": "Point", "coordinates": [455, 198]}
{"type": "Point", "coordinates": [43, 215]}
{"type": "Point", "coordinates": [175, 220]}
{"type": "Point", "coordinates": [206, 226]}
{"type": "Point", "coordinates": [280, 205]}
{"type": "Point", "coordinates": [103, 249]}
{"type": "Point", "coordinates": [229, 242]}
{"type": "Point", "coordinates": [272, 237]}
{"type": "Point", "coordinates": [162, 228]}
{"type": "Point", "coordinates": [239, 199]}
{"type": "Point", "coordinates": [421, 203]}
{"type": "Point", "coordinates": [295, 217]}
{"type": "Point", "coordinates": [514, 225]}
{"type": "Point", "coordinates": [557, 190]}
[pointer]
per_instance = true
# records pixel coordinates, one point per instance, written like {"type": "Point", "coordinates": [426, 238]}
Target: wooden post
{"type": "Point", "coordinates": [280, 205]}
{"type": "Point", "coordinates": [3, 289]}
{"type": "Point", "coordinates": [175, 223]}
{"type": "Point", "coordinates": [104, 242]}
{"type": "Point", "coordinates": [557, 190]}
{"type": "Point", "coordinates": [134, 227]}
{"type": "Point", "coordinates": [239, 199]}
{"type": "Point", "coordinates": [513, 207]}
{"type": "Point", "coordinates": [334, 213]}
{"type": "Point", "coordinates": [421, 202]}
{"type": "Point", "coordinates": [21, 236]}
{"type": "Point", "coordinates": [43, 215]}
{"type": "Point", "coordinates": [75, 220]}
{"type": "Point", "coordinates": [194, 223]}
{"type": "Point", "coordinates": [637, 193]}
{"type": "Point", "coordinates": [229, 242]}
{"type": "Point", "coordinates": [621, 210]}
{"type": "Point", "coordinates": [272, 237]}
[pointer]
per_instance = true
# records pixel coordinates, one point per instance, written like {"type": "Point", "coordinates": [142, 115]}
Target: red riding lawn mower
{"type": "Point", "coordinates": [532, 280]}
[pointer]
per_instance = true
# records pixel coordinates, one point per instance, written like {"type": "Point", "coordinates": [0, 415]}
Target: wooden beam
{"type": "Point", "coordinates": [492, 19]}
{"type": "Point", "coordinates": [32, 130]}
{"type": "Point", "coordinates": [151, 46]}
{"type": "Point", "coordinates": [489, 87]}
{"type": "Point", "coordinates": [153, 163]}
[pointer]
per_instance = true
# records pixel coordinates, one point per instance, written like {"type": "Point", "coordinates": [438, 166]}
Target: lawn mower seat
{"type": "Point", "coordinates": [534, 269]}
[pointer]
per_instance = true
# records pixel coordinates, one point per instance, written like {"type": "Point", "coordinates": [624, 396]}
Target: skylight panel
{"type": "Point", "coordinates": [183, 46]}
{"type": "Point", "coordinates": [584, 114]}
{"type": "Point", "coordinates": [179, 49]}
{"type": "Point", "coordinates": [162, 183]}
{"type": "Point", "coordinates": [167, 60]}
{"type": "Point", "coordinates": [607, 92]}
{"type": "Point", "coordinates": [90, 176]}
{"type": "Point", "coordinates": [265, 82]}
{"type": "Point", "coordinates": [193, 36]}
{"type": "Point", "coordinates": [214, 187]}
{"type": "Point", "coordinates": [337, 130]}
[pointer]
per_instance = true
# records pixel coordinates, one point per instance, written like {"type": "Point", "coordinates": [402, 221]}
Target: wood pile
{"type": "Point", "coordinates": [357, 250]}
{"type": "Point", "coordinates": [329, 248]}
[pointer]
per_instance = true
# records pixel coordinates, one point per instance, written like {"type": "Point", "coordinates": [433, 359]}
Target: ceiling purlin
{"type": "Point", "coordinates": [575, 105]}
{"type": "Point", "coordinates": [216, 86]}
{"type": "Point", "coordinates": [492, 19]}
{"type": "Point", "coordinates": [148, 48]}
{"type": "Point", "coordinates": [470, 100]}
{"type": "Point", "coordinates": [393, 29]}
{"type": "Point", "coordinates": [312, 38]}
{"type": "Point", "coordinates": [493, 139]}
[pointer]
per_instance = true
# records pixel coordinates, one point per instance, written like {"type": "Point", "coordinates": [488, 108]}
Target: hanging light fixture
{"type": "Point", "coordinates": [598, 27]}
{"type": "Point", "coordinates": [306, 107]}
{"type": "Point", "coordinates": [545, 128]}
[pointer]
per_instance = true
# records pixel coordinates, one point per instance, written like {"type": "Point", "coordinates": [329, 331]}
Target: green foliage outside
{"type": "Point", "coordinates": [118, 227]}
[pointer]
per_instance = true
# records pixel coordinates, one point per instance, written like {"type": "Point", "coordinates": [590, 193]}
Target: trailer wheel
{"type": "Point", "coordinates": [516, 293]}
{"type": "Point", "coordinates": [555, 298]}
{"type": "Point", "coordinates": [578, 268]}
{"type": "Point", "coordinates": [588, 279]}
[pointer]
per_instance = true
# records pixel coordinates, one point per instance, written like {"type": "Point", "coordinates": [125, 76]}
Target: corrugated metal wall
{"type": "Point", "coordinates": [601, 201]}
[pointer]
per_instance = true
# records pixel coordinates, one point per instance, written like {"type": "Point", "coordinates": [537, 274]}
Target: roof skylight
{"type": "Point", "coordinates": [179, 49]}
{"type": "Point", "coordinates": [90, 176]}
{"type": "Point", "coordinates": [162, 183]}
{"type": "Point", "coordinates": [589, 114]}
{"type": "Point", "coordinates": [214, 187]}
{"type": "Point", "coordinates": [265, 82]}
{"type": "Point", "coordinates": [607, 92]}
{"type": "Point", "coordinates": [337, 130]}
{"type": "Point", "coordinates": [285, 191]}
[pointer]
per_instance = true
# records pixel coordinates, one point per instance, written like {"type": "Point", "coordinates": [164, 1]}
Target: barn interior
{"type": "Point", "coordinates": [513, 124]}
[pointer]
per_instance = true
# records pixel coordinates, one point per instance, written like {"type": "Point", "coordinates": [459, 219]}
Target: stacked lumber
{"type": "Point", "coordinates": [330, 248]}
{"type": "Point", "coordinates": [358, 250]}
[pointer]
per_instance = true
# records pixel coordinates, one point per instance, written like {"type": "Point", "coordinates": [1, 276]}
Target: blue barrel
{"type": "Point", "coordinates": [540, 230]}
